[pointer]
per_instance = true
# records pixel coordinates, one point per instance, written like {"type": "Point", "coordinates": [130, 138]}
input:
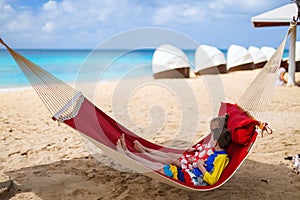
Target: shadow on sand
{"type": "Point", "coordinates": [86, 178]}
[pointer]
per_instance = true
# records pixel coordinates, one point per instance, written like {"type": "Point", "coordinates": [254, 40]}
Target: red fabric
{"type": "Point", "coordinates": [187, 178]}
{"type": "Point", "coordinates": [241, 125]}
{"type": "Point", "coordinates": [244, 132]}
{"type": "Point", "coordinates": [237, 152]}
{"type": "Point", "coordinates": [94, 123]}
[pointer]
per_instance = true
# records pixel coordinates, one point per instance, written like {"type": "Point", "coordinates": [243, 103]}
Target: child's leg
{"type": "Point", "coordinates": [142, 149]}
{"type": "Point", "coordinates": [165, 159]}
{"type": "Point", "coordinates": [162, 159]}
{"type": "Point", "coordinates": [121, 148]}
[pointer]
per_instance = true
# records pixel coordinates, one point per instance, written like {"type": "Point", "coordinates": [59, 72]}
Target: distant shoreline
{"type": "Point", "coordinates": [13, 89]}
{"type": "Point", "coordinates": [67, 63]}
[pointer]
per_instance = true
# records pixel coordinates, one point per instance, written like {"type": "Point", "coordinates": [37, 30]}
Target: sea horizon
{"type": "Point", "coordinates": [71, 65]}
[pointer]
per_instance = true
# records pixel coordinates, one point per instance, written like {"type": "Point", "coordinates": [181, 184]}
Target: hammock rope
{"type": "Point", "coordinates": [258, 95]}
{"type": "Point", "coordinates": [68, 105]}
{"type": "Point", "coordinates": [54, 93]}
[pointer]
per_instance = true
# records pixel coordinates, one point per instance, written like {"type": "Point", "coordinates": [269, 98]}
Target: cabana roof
{"type": "Point", "coordinates": [208, 56]}
{"type": "Point", "coordinates": [268, 51]}
{"type": "Point", "coordinates": [281, 16]}
{"type": "Point", "coordinates": [257, 55]}
{"type": "Point", "coordinates": [238, 55]}
{"type": "Point", "coordinates": [167, 57]}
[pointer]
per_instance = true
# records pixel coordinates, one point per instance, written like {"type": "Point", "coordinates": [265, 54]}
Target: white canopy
{"type": "Point", "coordinates": [208, 56]}
{"type": "Point", "coordinates": [238, 55]}
{"type": "Point", "coordinates": [167, 57]}
{"type": "Point", "coordinates": [281, 16]}
{"type": "Point", "coordinates": [268, 51]}
{"type": "Point", "coordinates": [257, 55]}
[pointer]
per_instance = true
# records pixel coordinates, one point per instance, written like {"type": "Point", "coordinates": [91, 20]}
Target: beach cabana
{"type": "Point", "coordinates": [259, 58]}
{"type": "Point", "coordinates": [282, 16]}
{"type": "Point", "coordinates": [170, 62]}
{"type": "Point", "coordinates": [239, 58]}
{"type": "Point", "coordinates": [209, 60]}
{"type": "Point", "coordinates": [268, 51]}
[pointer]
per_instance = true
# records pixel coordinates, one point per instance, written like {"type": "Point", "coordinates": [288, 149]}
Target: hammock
{"type": "Point", "coordinates": [69, 106]}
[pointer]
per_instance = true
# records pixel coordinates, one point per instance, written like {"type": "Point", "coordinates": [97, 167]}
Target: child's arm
{"type": "Point", "coordinates": [282, 77]}
{"type": "Point", "coordinates": [201, 166]}
{"type": "Point", "coordinates": [219, 165]}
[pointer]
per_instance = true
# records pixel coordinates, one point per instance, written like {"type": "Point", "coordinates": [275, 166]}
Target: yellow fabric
{"type": "Point", "coordinates": [220, 163]}
{"type": "Point", "coordinates": [174, 171]}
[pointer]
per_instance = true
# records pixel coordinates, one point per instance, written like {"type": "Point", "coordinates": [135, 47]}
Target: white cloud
{"type": "Point", "coordinates": [225, 7]}
{"type": "Point", "coordinates": [164, 15]}
{"type": "Point", "coordinates": [73, 6]}
{"type": "Point", "coordinates": [7, 8]}
{"type": "Point", "coordinates": [12, 20]}
{"type": "Point", "coordinates": [50, 5]}
{"type": "Point", "coordinates": [5, 11]}
{"type": "Point", "coordinates": [68, 20]}
{"type": "Point", "coordinates": [179, 14]}
{"type": "Point", "coordinates": [48, 27]}
{"type": "Point", "coordinates": [188, 12]}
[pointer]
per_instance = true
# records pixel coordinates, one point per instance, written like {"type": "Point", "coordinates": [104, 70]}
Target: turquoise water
{"type": "Point", "coordinates": [67, 65]}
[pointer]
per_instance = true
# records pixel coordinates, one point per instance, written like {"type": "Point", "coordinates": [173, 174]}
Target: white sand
{"type": "Point", "coordinates": [47, 161]}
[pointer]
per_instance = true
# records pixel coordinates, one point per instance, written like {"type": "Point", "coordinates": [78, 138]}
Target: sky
{"type": "Point", "coordinates": [84, 24]}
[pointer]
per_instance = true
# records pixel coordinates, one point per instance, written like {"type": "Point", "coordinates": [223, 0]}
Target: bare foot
{"type": "Point", "coordinates": [119, 147]}
{"type": "Point", "coordinates": [123, 143]}
{"type": "Point", "coordinates": [138, 147]}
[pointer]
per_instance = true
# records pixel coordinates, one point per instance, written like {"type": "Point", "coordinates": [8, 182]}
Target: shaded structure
{"type": "Point", "coordinates": [282, 16]}
{"type": "Point", "coordinates": [259, 58]}
{"type": "Point", "coordinates": [170, 62]}
{"type": "Point", "coordinates": [268, 51]}
{"type": "Point", "coordinates": [209, 60]}
{"type": "Point", "coordinates": [239, 58]}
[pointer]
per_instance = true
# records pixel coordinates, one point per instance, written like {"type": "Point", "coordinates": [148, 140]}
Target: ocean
{"type": "Point", "coordinates": [71, 65]}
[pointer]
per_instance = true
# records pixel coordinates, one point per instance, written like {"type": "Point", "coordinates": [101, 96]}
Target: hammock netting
{"type": "Point", "coordinates": [69, 106]}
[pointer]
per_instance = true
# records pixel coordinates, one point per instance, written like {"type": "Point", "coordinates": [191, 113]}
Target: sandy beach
{"type": "Point", "coordinates": [50, 161]}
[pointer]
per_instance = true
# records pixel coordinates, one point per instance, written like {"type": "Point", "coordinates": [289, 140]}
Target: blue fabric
{"type": "Point", "coordinates": [197, 172]}
{"type": "Point", "coordinates": [209, 163]}
{"type": "Point", "coordinates": [167, 171]}
{"type": "Point", "coordinates": [180, 174]}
